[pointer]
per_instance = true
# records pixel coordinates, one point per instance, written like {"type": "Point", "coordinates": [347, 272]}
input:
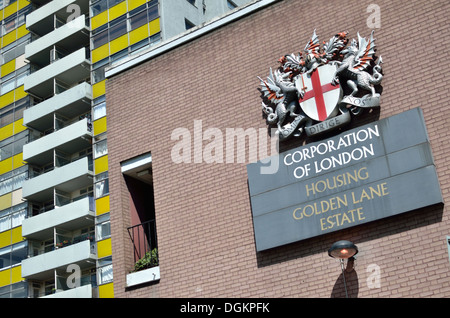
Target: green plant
{"type": "Point", "coordinates": [149, 260]}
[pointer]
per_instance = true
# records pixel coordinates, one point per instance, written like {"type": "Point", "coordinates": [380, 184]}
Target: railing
{"type": "Point", "coordinates": [144, 239]}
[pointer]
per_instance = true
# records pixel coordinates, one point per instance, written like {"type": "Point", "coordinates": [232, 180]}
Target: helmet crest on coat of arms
{"type": "Point", "coordinates": [319, 89]}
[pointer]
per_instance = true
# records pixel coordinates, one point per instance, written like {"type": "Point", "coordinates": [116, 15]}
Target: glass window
{"type": "Point", "coordinates": [138, 20]}
{"type": "Point", "coordinates": [9, 24]}
{"type": "Point", "coordinates": [6, 186]}
{"type": "Point", "coordinates": [98, 75]}
{"type": "Point", "coordinates": [153, 13]}
{"type": "Point", "coordinates": [117, 28]}
{"type": "Point", "coordinates": [100, 149]}
{"type": "Point", "coordinates": [8, 86]}
{"type": "Point", "coordinates": [99, 7]}
{"type": "Point", "coordinates": [5, 224]}
{"type": "Point", "coordinates": [188, 24]}
{"type": "Point", "coordinates": [100, 39]}
{"type": "Point", "coordinates": [105, 272]}
{"type": "Point", "coordinates": [19, 252]}
{"type": "Point", "coordinates": [99, 111]}
{"type": "Point", "coordinates": [6, 151]}
{"type": "Point", "coordinates": [155, 39]}
{"type": "Point", "coordinates": [7, 116]}
{"type": "Point", "coordinates": [103, 228]}
{"type": "Point", "coordinates": [102, 188]}
{"type": "Point", "coordinates": [112, 3]}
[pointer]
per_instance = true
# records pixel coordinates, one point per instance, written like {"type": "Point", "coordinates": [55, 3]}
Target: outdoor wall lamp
{"type": "Point", "coordinates": [343, 250]}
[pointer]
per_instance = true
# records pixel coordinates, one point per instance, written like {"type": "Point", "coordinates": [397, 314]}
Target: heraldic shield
{"type": "Point", "coordinates": [319, 97]}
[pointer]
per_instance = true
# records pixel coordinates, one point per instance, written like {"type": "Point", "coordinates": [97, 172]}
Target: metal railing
{"type": "Point", "coordinates": [143, 237]}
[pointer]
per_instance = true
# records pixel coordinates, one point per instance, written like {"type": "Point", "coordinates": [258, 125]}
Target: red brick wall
{"type": "Point", "coordinates": [203, 214]}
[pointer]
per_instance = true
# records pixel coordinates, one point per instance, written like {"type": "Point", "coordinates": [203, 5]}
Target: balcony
{"type": "Point", "coordinates": [70, 139]}
{"type": "Point", "coordinates": [68, 178]}
{"type": "Point", "coordinates": [42, 267]}
{"type": "Point", "coordinates": [42, 20]}
{"type": "Point", "coordinates": [69, 70]}
{"type": "Point", "coordinates": [70, 103]}
{"type": "Point", "coordinates": [84, 291]}
{"type": "Point", "coordinates": [72, 216]}
{"type": "Point", "coordinates": [71, 37]}
{"type": "Point", "coordinates": [146, 269]}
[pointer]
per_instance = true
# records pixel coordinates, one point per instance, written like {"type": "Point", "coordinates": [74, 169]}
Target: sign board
{"type": "Point", "coordinates": [368, 173]}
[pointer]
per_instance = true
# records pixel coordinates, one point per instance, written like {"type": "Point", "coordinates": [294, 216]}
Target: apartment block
{"type": "Point", "coordinates": [55, 237]}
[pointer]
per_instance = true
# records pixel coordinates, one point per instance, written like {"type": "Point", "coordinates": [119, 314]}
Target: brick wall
{"type": "Point", "coordinates": [203, 213]}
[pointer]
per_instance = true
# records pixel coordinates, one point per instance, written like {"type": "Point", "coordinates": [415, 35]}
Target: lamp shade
{"type": "Point", "coordinates": [343, 250]}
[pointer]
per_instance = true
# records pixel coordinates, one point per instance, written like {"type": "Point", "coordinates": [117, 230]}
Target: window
{"type": "Point", "coordinates": [188, 24]}
{"type": "Point", "coordinates": [103, 5]}
{"type": "Point", "coordinates": [104, 270]}
{"type": "Point", "coordinates": [138, 176]}
{"type": "Point", "coordinates": [231, 5]}
{"type": "Point", "coordinates": [13, 80]}
{"type": "Point", "coordinates": [99, 37]}
{"type": "Point", "coordinates": [100, 148]}
{"type": "Point", "coordinates": [103, 227]}
{"type": "Point", "coordinates": [14, 254]}
{"type": "Point", "coordinates": [99, 7]}
{"type": "Point", "coordinates": [99, 110]}
{"type": "Point", "coordinates": [101, 185]}
{"type": "Point", "coordinates": [117, 27]}
{"type": "Point", "coordinates": [139, 19]}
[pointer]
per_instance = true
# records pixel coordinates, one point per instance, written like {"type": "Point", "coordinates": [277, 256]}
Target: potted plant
{"type": "Point", "coordinates": [149, 260]}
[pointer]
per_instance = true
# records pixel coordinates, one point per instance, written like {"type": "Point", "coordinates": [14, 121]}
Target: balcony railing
{"type": "Point", "coordinates": [143, 237]}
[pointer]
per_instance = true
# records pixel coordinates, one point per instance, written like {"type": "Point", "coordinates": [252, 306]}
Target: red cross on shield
{"type": "Point", "coordinates": [320, 97]}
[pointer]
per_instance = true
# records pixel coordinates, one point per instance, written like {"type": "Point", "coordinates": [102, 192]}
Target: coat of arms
{"type": "Point", "coordinates": [319, 89]}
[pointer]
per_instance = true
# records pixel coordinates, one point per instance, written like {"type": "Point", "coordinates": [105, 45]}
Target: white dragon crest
{"type": "Point", "coordinates": [355, 61]}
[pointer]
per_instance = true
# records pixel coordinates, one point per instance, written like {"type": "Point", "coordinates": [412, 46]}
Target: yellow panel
{"type": "Point", "coordinates": [100, 126]}
{"type": "Point", "coordinates": [5, 201]}
{"type": "Point", "coordinates": [7, 99]}
{"type": "Point", "coordinates": [16, 274]}
{"type": "Point", "coordinates": [16, 235]}
{"type": "Point", "coordinates": [106, 291]}
{"type": "Point", "coordinates": [118, 44]}
{"type": "Point", "coordinates": [18, 126]}
{"type": "Point", "coordinates": [101, 164]}
{"type": "Point", "coordinates": [6, 131]}
{"type": "Point", "coordinates": [22, 31]}
{"type": "Point", "coordinates": [154, 27]}
{"type": "Point", "coordinates": [5, 277]}
{"type": "Point", "coordinates": [102, 205]}
{"type": "Point", "coordinates": [138, 34]}
{"type": "Point", "coordinates": [104, 248]}
{"type": "Point", "coordinates": [133, 4]}
{"type": "Point", "coordinates": [8, 68]}
{"type": "Point", "coordinates": [12, 8]}
{"type": "Point", "coordinates": [98, 89]}
{"type": "Point", "coordinates": [99, 20]}
{"type": "Point", "coordinates": [5, 238]}
{"type": "Point", "coordinates": [100, 53]}
{"type": "Point", "coordinates": [18, 161]}
{"type": "Point", "coordinates": [9, 38]}
{"type": "Point", "coordinates": [5, 165]}
{"type": "Point", "coordinates": [117, 10]}
{"type": "Point", "coordinates": [23, 4]}
{"type": "Point", "coordinates": [19, 93]}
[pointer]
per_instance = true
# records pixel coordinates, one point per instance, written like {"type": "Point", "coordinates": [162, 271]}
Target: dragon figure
{"type": "Point", "coordinates": [281, 95]}
{"type": "Point", "coordinates": [357, 58]}
{"type": "Point", "coordinates": [356, 70]}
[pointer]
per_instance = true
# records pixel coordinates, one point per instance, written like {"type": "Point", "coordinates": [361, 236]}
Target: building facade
{"type": "Point", "coordinates": [55, 238]}
{"type": "Point", "coordinates": [195, 92]}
